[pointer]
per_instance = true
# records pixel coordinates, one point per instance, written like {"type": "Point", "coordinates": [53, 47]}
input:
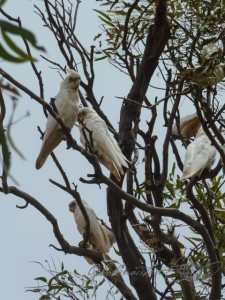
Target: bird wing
{"type": "Point", "coordinates": [189, 126]}
{"type": "Point", "coordinates": [67, 110]}
{"type": "Point", "coordinates": [52, 137]}
{"type": "Point", "coordinates": [105, 146]}
{"type": "Point", "coordinates": [67, 105]}
{"type": "Point", "coordinates": [97, 238]}
{"type": "Point", "coordinates": [199, 156]}
{"type": "Point", "coordinates": [188, 160]}
{"type": "Point", "coordinates": [212, 156]}
{"type": "Point", "coordinates": [110, 234]}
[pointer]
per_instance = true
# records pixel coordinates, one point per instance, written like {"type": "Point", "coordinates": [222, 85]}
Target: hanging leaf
{"type": "Point", "coordinates": [9, 137]}
{"type": "Point", "coordinates": [7, 56]}
{"type": "Point", "coordinates": [2, 2]}
{"type": "Point", "coordinates": [100, 58]}
{"type": "Point", "coordinates": [103, 14]}
{"type": "Point", "coordinates": [15, 48]}
{"type": "Point", "coordinates": [43, 279]}
{"type": "Point", "coordinates": [24, 33]}
{"type": "Point", "coordinates": [5, 151]}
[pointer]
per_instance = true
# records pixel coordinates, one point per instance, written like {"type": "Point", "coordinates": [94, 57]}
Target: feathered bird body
{"type": "Point", "coordinates": [66, 103]}
{"type": "Point", "coordinates": [189, 126]}
{"type": "Point", "coordinates": [100, 238]}
{"type": "Point", "coordinates": [200, 155]}
{"type": "Point", "coordinates": [93, 129]}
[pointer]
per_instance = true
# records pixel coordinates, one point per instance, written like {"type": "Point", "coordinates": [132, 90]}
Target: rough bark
{"type": "Point", "coordinates": [157, 38]}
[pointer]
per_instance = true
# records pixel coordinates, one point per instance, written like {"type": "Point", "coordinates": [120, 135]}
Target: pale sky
{"type": "Point", "coordinates": [26, 234]}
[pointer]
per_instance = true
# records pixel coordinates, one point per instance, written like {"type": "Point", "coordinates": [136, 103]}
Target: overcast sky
{"type": "Point", "coordinates": [26, 234]}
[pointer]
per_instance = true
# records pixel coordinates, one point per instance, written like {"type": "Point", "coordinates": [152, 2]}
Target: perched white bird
{"type": "Point", "coordinates": [200, 155]}
{"type": "Point", "coordinates": [66, 103]}
{"type": "Point", "coordinates": [189, 126]}
{"type": "Point", "coordinates": [100, 238]}
{"type": "Point", "coordinates": [109, 234]}
{"type": "Point", "coordinates": [104, 143]}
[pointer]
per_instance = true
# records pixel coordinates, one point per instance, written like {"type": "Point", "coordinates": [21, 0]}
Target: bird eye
{"type": "Point", "coordinates": [71, 79]}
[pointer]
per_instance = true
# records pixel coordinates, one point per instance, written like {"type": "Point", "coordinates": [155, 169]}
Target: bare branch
{"type": "Point", "coordinates": [65, 246]}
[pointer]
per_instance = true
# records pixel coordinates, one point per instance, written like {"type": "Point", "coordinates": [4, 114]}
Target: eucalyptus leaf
{"type": "Point", "coordinates": [24, 33]}
{"type": "Point", "coordinates": [5, 151]}
{"type": "Point", "coordinates": [15, 48]}
{"type": "Point", "coordinates": [7, 56]}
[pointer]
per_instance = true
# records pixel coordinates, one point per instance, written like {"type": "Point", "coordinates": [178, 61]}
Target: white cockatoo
{"type": "Point", "coordinates": [66, 103]}
{"type": "Point", "coordinates": [189, 126]}
{"type": "Point", "coordinates": [100, 237]}
{"type": "Point", "coordinates": [200, 155]}
{"type": "Point", "coordinates": [104, 143]}
{"type": "Point", "coordinates": [109, 234]}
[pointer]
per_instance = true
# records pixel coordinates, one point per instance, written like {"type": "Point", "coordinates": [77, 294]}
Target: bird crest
{"type": "Point", "coordinates": [71, 72]}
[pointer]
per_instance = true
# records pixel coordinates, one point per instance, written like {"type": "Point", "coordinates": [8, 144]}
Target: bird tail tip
{"type": "Point", "coordinates": [187, 176]}
{"type": "Point", "coordinates": [39, 162]}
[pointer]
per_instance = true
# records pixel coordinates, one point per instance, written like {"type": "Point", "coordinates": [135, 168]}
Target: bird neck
{"type": "Point", "coordinates": [70, 90]}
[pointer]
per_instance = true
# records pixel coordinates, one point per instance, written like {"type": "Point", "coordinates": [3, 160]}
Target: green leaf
{"type": "Point", "coordinates": [101, 58]}
{"type": "Point", "coordinates": [13, 145]}
{"type": "Point", "coordinates": [171, 275]}
{"type": "Point", "coordinates": [2, 2]}
{"type": "Point", "coordinates": [24, 33]}
{"type": "Point", "coordinates": [220, 209]}
{"type": "Point", "coordinates": [214, 3]}
{"type": "Point", "coordinates": [97, 36]}
{"type": "Point", "coordinates": [107, 22]}
{"type": "Point", "coordinates": [62, 273]}
{"type": "Point", "coordinates": [15, 48]}
{"type": "Point", "coordinates": [106, 53]}
{"type": "Point", "coordinates": [45, 297]}
{"type": "Point", "coordinates": [173, 169]}
{"type": "Point", "coordinates": [7, 56]}
{"type": "Point", "coordinates": [55, 287]}
{"type": "Point", "coordinates": [116, 251]}
{"type": "Point", "coordinates": [175, 205]}
{"type": "Point", "coordinates": [103, 14]}
{"type": "Point", "coordinates": [101, 282]}
{"type": "Point", "coordinates": [5, 151]}
{"type": "Point", "coordinates": [34, 290]}
{"type": "Point", "coordinates": [41, 279]}
{"type": "Point", "coordinates": [118, 13]}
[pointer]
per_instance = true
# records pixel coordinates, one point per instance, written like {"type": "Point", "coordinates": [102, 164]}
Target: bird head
{"type": "Point", "coordinates": [72, 206]}
{"type": "Point", "coordinates": [85, 113]}
{"type": "Point", "coordinates": [72, 81]}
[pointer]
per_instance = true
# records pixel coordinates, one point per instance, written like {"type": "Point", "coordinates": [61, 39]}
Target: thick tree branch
{"type": "Point", "coordinates": [157, 38]}
{"type": "Point", "coordinates": [130, 113]}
